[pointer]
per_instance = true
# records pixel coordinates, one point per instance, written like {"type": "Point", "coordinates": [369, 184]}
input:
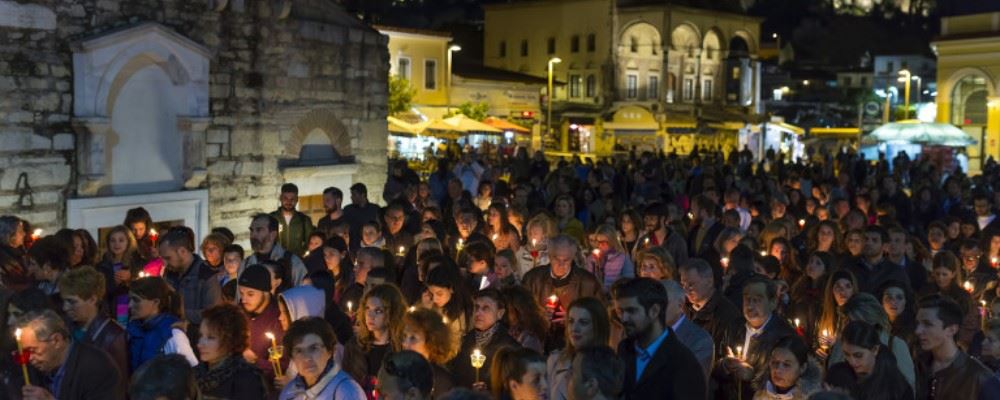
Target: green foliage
{"type": "Point", "coordinates": [476, 111]}
{"type": "Point", "coordinates": [400, 94]}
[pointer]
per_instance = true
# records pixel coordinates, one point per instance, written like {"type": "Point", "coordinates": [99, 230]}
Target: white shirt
{"type": "Point", "coordinates": [179, 344]}
{"type": "Point", "coordinates": [751, 333]}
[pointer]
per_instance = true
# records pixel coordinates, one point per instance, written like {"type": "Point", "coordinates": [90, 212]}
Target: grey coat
{"type": "Point", "coordinates": [699, 342]}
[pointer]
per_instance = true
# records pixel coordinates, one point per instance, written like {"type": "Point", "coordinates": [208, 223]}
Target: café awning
{"type": "Point", "coordinates": [925, 133]}
{"type": "Point", "coordinates": [505, 125]}
{"type": "Point", "coordinates": [463, 124]}
{"type": "Point", "coordinates": [632, 118]}
{"type": "Point", "coordinates": [399, 127]}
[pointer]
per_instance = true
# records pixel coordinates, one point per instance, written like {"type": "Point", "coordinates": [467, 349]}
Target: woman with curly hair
{"type": "Point", "coordinates": [655, 263]}
{"type": "Point", "coordinates": [425, 332]}
{"type": "Point", "coordinates": [223, 373]}
{"type": "Point", "coordinates": [525, 318]}
{"type": "Point", "coordinates": [378, 332]}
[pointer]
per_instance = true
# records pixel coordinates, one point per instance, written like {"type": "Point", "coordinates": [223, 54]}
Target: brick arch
{"type": "Point", "coordinates": [326, 121]}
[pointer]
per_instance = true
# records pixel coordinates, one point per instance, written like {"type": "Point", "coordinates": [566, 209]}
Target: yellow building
{"type": "Point", "coordinates": [968, 79]}
{"type": "Point", "coordinates": [637, 74]}
{"type": "Point", "coordinates": [423, 58]}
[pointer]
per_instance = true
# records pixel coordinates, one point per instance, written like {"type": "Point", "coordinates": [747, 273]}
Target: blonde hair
{"type": "Point", "coordinates": [663, 260]}
{"type": "Point", "coordinates": [612, 234]}
{"type": "Point", "coordinates": [545, 223]}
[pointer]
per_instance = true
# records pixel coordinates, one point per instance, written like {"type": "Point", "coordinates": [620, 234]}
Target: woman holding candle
{"type": "Point", "coordinates": [839, 288]}
{"type": "Point", "coordinates": [790, 374]}
{"type": "Point", "coordinates": [378, 332]}
{"type": "Point", "coordinates": [155, 310]}
{"type": "Point", "coordinates": [866, 308]}
{"type": "Point", "coordinates": [629, 223]}
{"type": "Point", "coordinates": [139, 221]}
{"type": "Point", "coordinates": [518, 374]}
{"type": "Point", "coordinates": [609, 262]}
{"type": "Point", "coordinates": [223, 373]}
{"type": "Point", "coordinates": [807, 292]}
{"type": "Point", "coordinates": [869, 371]}
{"type": "Point", "coordinates": [449, 296]}
{"type": "Point", "coordinates": [120, 265]}
{"type": "Point", "coordinates": [540, 228]}
{"type": "Point", "coordinates": [587, 323]}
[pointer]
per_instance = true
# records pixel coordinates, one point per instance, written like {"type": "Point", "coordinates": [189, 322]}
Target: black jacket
{"type": "Point", "coordinates": [756, 354]}
{"type": "Point", "coordinates": [463, 373]}
{"type": "Point", "coordinates": [718, 317]}
{"type": "Point", "coordinates": [234, 378]}
{"type": "Point", "coordinates": [672, 373]}
{"type": "Point", "coordinates": [90, 374]}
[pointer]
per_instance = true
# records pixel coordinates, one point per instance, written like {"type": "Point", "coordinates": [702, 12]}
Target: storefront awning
{"type": "Point", "coordinates": [506, 125]}
{"type": "Point", "coordinates": [784, 126]}
{"type": "Point", "coordinates": [631, 126]}
{"type": "Point", "coordinates": [632, 118]}
{"type": "Point", "coordinates": [835, 132]}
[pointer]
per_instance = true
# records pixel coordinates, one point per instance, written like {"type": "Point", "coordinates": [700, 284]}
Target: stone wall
{"type": "Point", "coordinates": [277, 72]}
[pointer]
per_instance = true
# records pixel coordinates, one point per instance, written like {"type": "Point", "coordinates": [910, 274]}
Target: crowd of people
{"type": "Point", "coordinates": [644, 276]}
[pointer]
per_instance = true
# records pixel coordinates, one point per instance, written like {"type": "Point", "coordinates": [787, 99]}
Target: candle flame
{"type": "Point", "coordinates": [152, 232]}
{"type": "Point", "coordinates": [968, 286]}
{"type": "Point", "coordinates": [534, 242]}
{"type": "Point", "coordinates": [495, 237]}
{"type": "Point", "coordinates": [553, 298]}
{"type": "Point", "coordinates": [763, 253]}
{"type": "Point", "coordinates": [37, 232]}
{"type": "Point", "coordinates": [796, 322]}
{"type": "Point", "coordinates": [802, 222]}
{"type": "Point", "coordinates": [477, 353]}
{"type": "Point", "coordinates": [402, 249]}
{"type": "Point", "coordinates": [826, 333]}
{"type": "Point", "coordinates": [269, 335]}
{"type": "Point", "coordinates": [413, 308]}
{"type": "Point", "coordinates": [597, 252]}
{"type": "Point", "coordinates": [17, 334]}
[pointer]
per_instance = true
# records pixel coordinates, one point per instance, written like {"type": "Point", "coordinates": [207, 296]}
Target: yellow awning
{"type": "Point", "coordinates": [835, 131]}
{"type": "Point", "coordinates": [788, 127]}
{"type": "Point", "coordinates": [631, 126]}
{"type": "Point", "coordinates": [402, 128]}
{"type": "Point", "coordinates": [728, 125]}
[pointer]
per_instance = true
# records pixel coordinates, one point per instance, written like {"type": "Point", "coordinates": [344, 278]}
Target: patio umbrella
{"type": "Point", "coordinates": [917, 132]}
{"type": "Point", "coordinates": [402, 128]}
{"type": "Point", "coordinates": [505, 125]}
{"type": "Point", "coordinates": [461, 123]}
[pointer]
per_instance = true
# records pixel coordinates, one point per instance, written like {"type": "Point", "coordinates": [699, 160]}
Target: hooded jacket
{"type": "Point", "coordinates": [304, 301]}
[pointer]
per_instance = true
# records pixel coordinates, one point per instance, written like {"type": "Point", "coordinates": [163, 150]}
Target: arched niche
{"type": "Point", "coordinates": [131, 141]}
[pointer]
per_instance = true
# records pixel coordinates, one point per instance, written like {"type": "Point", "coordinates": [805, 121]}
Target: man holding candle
{"type": "Point", "coordinates": [976, 268]}
{"type": "Point", "coordinates": [70, 369]}
{"type": "Point", "coordinates": [657, 365]}
{"type": "Point", "coordinates": [754, 340]}
{"type": "Point", "coordinates": [706, 306]}
{"type": "Point", "coordinates": [656, 218]}
{"type": "Point", "coordinates": [562, 279]}
{"type": "Point", "coordinates": [397, 240]}
{"type": "Point", "coordinates": [262, 310]}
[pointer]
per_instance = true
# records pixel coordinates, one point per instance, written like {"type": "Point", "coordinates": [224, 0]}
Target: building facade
{"type": "Point", "coordinates": [968, 75]}
{"type": "Point", "coordinates": [197, 111]}
{"type": "Point", "coordinates": [679, 70]}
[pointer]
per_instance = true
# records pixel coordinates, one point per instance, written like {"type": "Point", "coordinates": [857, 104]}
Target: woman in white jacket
{"type": "Point", "coordinates": [310, 342]}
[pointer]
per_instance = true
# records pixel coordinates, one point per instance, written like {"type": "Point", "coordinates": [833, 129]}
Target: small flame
{"type": "Point", "coordinates": [269, 335]}
{"type": "Point", "coordinates": [17, 334]}
{"type": "Point", "coordinates": [413, 308]}
{"type": "Point", "coordinates": [802, 223]}
{"type": "Point", "coordinates": [826, 333]}
{"type": "Point", "coordinates": [402, 249]}
{"type": "Point", "coordinates": [968, 286]}
{"type": "Point", "coordinates": [597, 252]}
{"type": "Point", "coordinates": [153, 232]}
{"type": "Point", "coordinates": [477, 353]}
{"type": "Point", "coordinates": [350, 306]}
{"type": "Point", "coordinates": [763, 253]}
{"type": "Point", "coordinates": [37, 232]}
{"type": "Point", "coordinates": [797, 322]}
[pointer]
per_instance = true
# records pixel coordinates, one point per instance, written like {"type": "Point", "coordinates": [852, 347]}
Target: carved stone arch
{"type": "Point", "coordinates": [327, 121]}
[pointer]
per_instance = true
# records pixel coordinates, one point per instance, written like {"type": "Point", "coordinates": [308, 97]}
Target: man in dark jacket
{"type": "Point", "coordinates": [67, 369]}
{"type": "Point", "coordinates": [656, 220]}
{"type": "Point", "coordinates": [943, 370]}
{"type": "Point", "coordinates": [657, 364]}
{"type": "Point", "coordinates": [295, 227]}
{"type": "Point", "coordinates": [561, 278]}
{"type": "Point", "coordinates": [751, 343]}
{"type": "Point", "coordinates": [185, 272]}
{"type": "Point", "coordinates": [359, 212]}
{"type": "Point", "coordinates": [705, 228]}
{"type": "Point", "coordinates": [707, 306]}
{"type": "Point", "coordinates": [489, 335]}
{"type": "Point", "coordinates": [262, 311]}
{"type": "Point", "coordinates": [873, 270]}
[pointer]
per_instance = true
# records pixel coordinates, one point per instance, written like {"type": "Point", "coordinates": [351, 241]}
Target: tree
{"type": "Point", "coordinates": [476, 111]}
{"type": "Point", "coordinates": [400, 94]}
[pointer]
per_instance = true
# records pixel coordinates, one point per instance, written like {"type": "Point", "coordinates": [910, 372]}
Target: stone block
{"type": "Point", "coordinates": [23, 141]}
{"type": "Point", "coordinates": [59, 71]}
{"type": "Point", "coordinates": [62, 141]}
{"type": "Point", "coordinates": [20, 117]}
{"type": "Point", "coordinates": [217, 136]}
{"type": "Point", "coordinates": [213, 150]}
{"type": "Point", "coordinates": [222, 168]}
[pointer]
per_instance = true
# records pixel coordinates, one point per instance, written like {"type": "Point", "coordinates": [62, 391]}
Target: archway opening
{"type": "Point", "coordinates": [968, 101]}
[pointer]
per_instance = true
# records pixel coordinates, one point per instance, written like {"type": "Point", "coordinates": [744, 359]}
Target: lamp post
{"type": "Point", "coordinates": [919, 88]}
{"type": "Point", "coordinates": [451, 49]}
{"type": "Point", "coordinates": [905, 76]}
{"type": "Point", "coordinates": [548, 118]}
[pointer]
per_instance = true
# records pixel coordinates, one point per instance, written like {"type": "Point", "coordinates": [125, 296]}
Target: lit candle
{"type": "Point", "coordinates": [534, 243]}
{"type": "Point", "coordinates": [968, 286]}
{"type": "Point", "coordinates": [553, 299]}
{"type": "Point", "coordinates": [413, 308]}
{"type": "Point", "coordinates": [36, 234]}
{"type": "Point", "coordinates": [597, 253]}
{"type": "Point", "coordinates": [21, 358]}
{"type": "Point", "coordinates": [994, 261]}
{"type": "Point", "coordinates": [802, 223]}
{"type": "Point", "coordinates": [274, 342]}
{"type": "Point", "coordinates": [495, 237]}
{"type": "Point", "coordinates": [350, 307]}
{"type": "Point", "coordinates": [484, 283]}
{"type": "Point", "coordinates": [143, 275]}
{"type": "Point", "coordinates": [982, 309]}
{"type": "Point", "coordinates": [724, 261]}
{"type": "Point", "coordinates": [153, 235]}
{"type": "Point", "coordinates": [645, 243]}
{"type": "Point", "coordinates": [478, 360]}
{"type": "Point", "coordinates": [402, 251]}
{"type": "Point", "coordinates": [444, 319]}
{"type": "Point", "coordinates": [460, 245]}
{"type": "Point", "coordinates": [825, 336]}
{"type": "Point", "coordinates": [739, 352]}
{"type": "Point", "coordinates": [798, 328]}
{"type": "Point", "coordinates": [763, 253]}
{"type": "Point", "coordinates": [307, 253]}
{"type": "Point", "coordinates": [690, 216]}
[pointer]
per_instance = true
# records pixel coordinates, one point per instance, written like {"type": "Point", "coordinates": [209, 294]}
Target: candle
{"type": "Point", "coordinates": [739, 352]}
{"type": "Point", "coordinates": [982, 309]}
{"type": "Point", "coordinates": [307, 253]}
{"type": "Point", "coordinates": [553, 299]}
{"type": "Point", "coordinates": [143, 275]}
{"type": "Point", "coordinates": [444, 319]}
{"type": "Point", "coordinates": [534, 243]}
{"type": "Point", "coordinates": [994, 261]}
{"type": "Point", "coordinates": [802, 223]}
{"type": "Point", "coordinates": [460, 245]}
{"type": "Point", "coordinates": [763, 253]}
{"type": "Point", "coordinates": [724, 261]}
{"type": "Point", "coordinates": [21, 358]}
{"type": "Point", "coordinates": [968, 286]}
{"type": "Point", "coordinates": [825, 336]}
{"type": "Point", "coordinates": [645, 243]}
{"type": "Point", "coordinates": [597, 253]}
{"type": "Point", "coordinates": [36, 234]}
{"type": "Point", "coordinates": [478, 360]}
{"type": "Point", "coordinates": [495, 237]}
{"type": "Point", "coordinates": [402, 251]}
{"type": "Point", "coordinates": [484, 283]}
{"type": "Point", "coordinates": [798, 328]}
{"type": "Point", "coordinates": [350, 307]}
{"type": "Point", "coordinates": [690, 216]}
{"type": "Point", "coordinates": [413, 308]}
{"type": "Point", "coordinates": [274, 342]}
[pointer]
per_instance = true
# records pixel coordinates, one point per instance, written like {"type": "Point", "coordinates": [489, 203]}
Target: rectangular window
{"type": "Point", "coordinates": [403, 67]}
{"type": "Point", "coordinates": [634, 44]}
{"type": "Point", "coordinates": [430, 74]}
{"type": "Point", "coordinates": [503, 49]}
{"type": "Point", "coordinates": [591, 43]}
{"type": "Point", "coordinates": [653, 90]}
{"type": "Point", "coordinates": [706, 90]}
{"type": "Point", "coordinates": [552, 45]}
{"type": "Point", "coordinates": [632, 86]}
{"type": "Point", "coordinates": [524, 48]}
{"type": "Point", "coordinates": [574, 44]}
{"type": "Point", "coordinates": [574, 86]}
{"type": "Point", "coordinates": [688, 89]}
{"type": "Point", "coordinates": [889, 67]}
{"type": "Point", "coordinates": [591, 86]}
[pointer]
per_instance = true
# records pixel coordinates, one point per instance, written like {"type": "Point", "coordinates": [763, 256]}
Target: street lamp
{"type": "Point", "coordinates": [451, 49]}
{"type": "Point", "coordinates": [906, 76]}
{"type": "Point", "coordinates": [548, 118]}
{"type": "Point", "coordinates": [919, 84]}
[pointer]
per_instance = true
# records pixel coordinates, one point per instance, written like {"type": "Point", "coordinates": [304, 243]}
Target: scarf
{"type": "Point", "coordinates": [484, 337]}
{"type": "Point", "coordinates": [210, 378]}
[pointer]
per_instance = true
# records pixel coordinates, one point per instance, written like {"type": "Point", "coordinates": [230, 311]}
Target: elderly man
{"type": "Point", "coordinates": [689, 333]}
{"type": "Point", "coordinates": [68, 369]}
{"type": "Point", "coordinates": [561, 277]}
{"type": "Point", "coordinates": [263, 240]}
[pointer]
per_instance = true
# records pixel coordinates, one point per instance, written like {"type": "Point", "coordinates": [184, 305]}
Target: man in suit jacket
{"type": "Point", "coordinates": [690, 334]}
{"type": "Point", "coordinates": [69, 369]}
{"type": "Point", "coordinates": [751, 344]}
{"type": "Point", "coordinates": [657, 365]}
